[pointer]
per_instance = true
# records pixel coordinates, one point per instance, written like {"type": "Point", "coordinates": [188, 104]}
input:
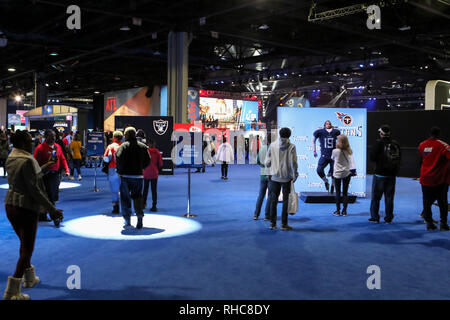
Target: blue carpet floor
{"type": "Point", "coordinates": [234, 257]}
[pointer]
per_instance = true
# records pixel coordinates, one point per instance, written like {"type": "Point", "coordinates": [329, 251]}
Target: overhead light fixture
{"type": "Point", "coordinates": [46, 84]}
{"type": "Point", "coordinates": [11, 69]}
{"type": "Point", "coordinates": [97, 92]}
{"type": "Point", "coordinates": [125, 28]}
{"type": "Point", "coordinates": [404, 28]}
{"type": "Point", "coordinates": [18, 98]}
{"type": "Point", "coordinates": [263, 27]}
{"type": "Point", "coordinates": [54, 54]}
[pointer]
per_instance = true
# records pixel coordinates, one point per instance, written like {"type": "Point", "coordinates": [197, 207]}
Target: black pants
{"type": "Point", "coordinates": [76, 164]}
{"type": "Point", "coordinates": [345, 182]}
{"type": "Point", "coordinates": [153, 183]}
{"type": "Point", "coordinates": [380, 186]}
{"type": "Point", "coordinates": [51, 182]}
{"type": "Point", "coordinates": [274, 193]}
{"type": "Point", "coordinates": [224, 169]}
{"type": "Point", "coordinates": [430, 194]}
{"type": "Point", "coordinates": [323, 162]}
{"type": "Point", "coordinates": [24, 223]}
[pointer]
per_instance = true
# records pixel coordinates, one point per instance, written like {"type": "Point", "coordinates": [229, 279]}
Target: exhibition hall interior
{"type": "Point", "coordinates": [224, 150]}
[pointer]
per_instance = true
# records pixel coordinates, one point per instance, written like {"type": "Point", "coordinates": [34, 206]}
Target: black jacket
{"type": "Point", "coordinates": [131, 158]}
{"type": "Point", "coordinates": [376, 155]}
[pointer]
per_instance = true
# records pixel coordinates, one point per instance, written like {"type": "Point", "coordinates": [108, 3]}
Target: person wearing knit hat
{"type": "Point", "coordinates": [132, 158]}
{"type": "Point", "coordinates": [113, 179]}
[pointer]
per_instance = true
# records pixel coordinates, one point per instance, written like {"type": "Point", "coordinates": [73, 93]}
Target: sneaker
{"type": "Point", "coordinates": [273, 226]}
{"type": "Point", "coordinates": [336, 213]}
{"type": "Point", "coordinates": [332, 189]}
{"type": "Point", "coordinates": [344, 213]}
{"type": "Point", "coordinates": [115, 209]}
{"type": "Point", "coordinates": [71, 178]}
{"type": "Point", "coordinates": [225, 178]}
{"type": "Point", "coordinates": [327, 186]}
{"type": "Point", "coordinates": [79, 177]}
{"type": "Point", "coordinates": [255, 217]}
{"type": "Point", "coordinates": [153, 209]}
{"type": "Point", "coordinates": [444, 227]}
{"type": "Point", "coordinates": [266, 219]}
{"type": "Point", "coordinates": [286, 228]}
{"type": "Point", "coordinates": [374, 220]}
{"type": "Point", "coordinates": [431, 226]}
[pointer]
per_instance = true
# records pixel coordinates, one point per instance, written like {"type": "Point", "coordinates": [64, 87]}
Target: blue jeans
{"type": "Point", "coordinates": [274, 191]}
{"type": "Point", "coordinates": [380, 186]}
{"type": "Point", "coordinates": [131, 189]}
{"type": "Point", "coordinates": [114, 184]}
{"type": "Point", "coordinates": [262, 192]}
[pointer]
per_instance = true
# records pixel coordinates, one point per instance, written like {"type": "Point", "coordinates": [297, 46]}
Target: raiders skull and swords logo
{"type": "Point", "coordinates": [160, 126]}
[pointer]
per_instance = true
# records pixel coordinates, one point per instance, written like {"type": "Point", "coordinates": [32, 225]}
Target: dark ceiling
{"type": "Point", "coordinates": [267, 47]}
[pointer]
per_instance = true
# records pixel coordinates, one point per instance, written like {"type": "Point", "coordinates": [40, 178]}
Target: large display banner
{"type": "Point", "coordinates": [304, 121]}
{"type": "Point", "coordinates": [249, 113]}
{"type": "Point", "coordinates": [159, 129]}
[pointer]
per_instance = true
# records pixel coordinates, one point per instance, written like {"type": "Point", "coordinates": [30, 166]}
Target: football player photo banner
{"type": "Point", "coordinates": [303, 122]}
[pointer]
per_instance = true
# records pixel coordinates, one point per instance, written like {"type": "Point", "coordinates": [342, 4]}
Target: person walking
{"type": "Point", "coordinates": [75, 151]}
{"type": "Point", "coordinates": [343, 169]}
{"type": "Point", "coordinates": [113, 179]}
{"type": "Point", "coordinates": [225, 156]}
{"type": "Point", "coordinates": [24, 200]}
{"type": "Point", "coordinates": [151, 174]}
{"type": "Point", "coordinates": [282, 160]}
{"type": "Point", "coordinates": [42, 153]}
{"type": "Point", "coordinates": [131, 159]}
{"type": "Point", "coordinates": [386, 153]}
{"type": "Point", "coordinates": [263, 184]}
{"type": "Point", "coordinates": [4, 151]}
{"type": "Point", "coordinates": [435, 177]}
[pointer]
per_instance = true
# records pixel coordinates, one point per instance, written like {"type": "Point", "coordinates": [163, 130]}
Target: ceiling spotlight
{"type": "Point", "coordinates": [404, 28]}
{"type": "Point", "coordinates": [263, 27]}
{"type": "Point", "coordinates": [11, 69]}
{"type": "Point", "coordinates": [54, 54]}
{"type": "Point", "coordinates": [46, 84]}
{"type": "Point", "coordinates": [125, 28]}
{"type": "Point", "coordinates": [97, 92]}
{"type": "Point", "coordinates": [18, 98]}
{"type": "Point", "coordinates": [371, 64]}
{"type": "Point", "coordinates": [361, 66]}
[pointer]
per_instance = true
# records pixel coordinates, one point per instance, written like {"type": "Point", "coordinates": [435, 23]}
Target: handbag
{"type": "Point", "coordinates": [292, 201]}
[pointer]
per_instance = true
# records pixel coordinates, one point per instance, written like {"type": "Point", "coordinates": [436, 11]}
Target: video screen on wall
{"type": "Point", "coordinates": [228, 110]}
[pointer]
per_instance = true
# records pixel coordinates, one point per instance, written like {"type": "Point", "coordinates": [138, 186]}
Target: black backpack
{"type": "Point", "coordinates": [391, 157]}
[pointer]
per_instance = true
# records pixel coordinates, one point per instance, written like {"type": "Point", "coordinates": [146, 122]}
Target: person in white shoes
{"type": "Point", "coordinates": [25, 199]}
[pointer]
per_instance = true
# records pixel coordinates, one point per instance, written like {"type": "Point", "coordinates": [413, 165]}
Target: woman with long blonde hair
{"type": "Point", "coordinates": [344, 169]}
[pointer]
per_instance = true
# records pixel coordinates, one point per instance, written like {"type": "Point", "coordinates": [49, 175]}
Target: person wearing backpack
{"type": "Point", "coordinates": [386, 154]}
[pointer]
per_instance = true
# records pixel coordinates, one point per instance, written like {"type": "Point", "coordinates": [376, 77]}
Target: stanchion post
{"type": "Point", "coordinates": [95, 176]}
{"type": "Point", "coordinates": [189, 214]}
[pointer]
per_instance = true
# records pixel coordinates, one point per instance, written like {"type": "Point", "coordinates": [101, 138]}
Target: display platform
{"type": "Point", "coordinates": [322, 197]}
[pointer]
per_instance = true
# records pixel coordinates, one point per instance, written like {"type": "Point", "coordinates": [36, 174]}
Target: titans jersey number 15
{"type": "Point", "coordinates": [327, 140]}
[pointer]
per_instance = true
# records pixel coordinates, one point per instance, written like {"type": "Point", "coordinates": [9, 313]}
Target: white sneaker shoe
{"type": "Point", "coordinates": [79, 177]}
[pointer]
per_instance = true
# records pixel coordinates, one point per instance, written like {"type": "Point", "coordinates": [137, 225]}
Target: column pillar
{"type": "Point", "coordinates": [177, 76]}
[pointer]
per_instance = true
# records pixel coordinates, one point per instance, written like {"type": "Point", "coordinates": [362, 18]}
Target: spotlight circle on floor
{"type": "Point", "coordinates": [63, 185]}
{"type": "Point", "coordinates": [106, 227]}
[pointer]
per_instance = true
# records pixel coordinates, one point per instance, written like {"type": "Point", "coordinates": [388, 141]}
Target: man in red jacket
{"type": "Point", "coordinates": [151, 174]}
{"type": "Point", "coordinates": [435, 177]}
{"type": "Point", "coordinates": [43, 152]}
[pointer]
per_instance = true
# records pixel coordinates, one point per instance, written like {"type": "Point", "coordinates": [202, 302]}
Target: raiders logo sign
{"type": "Point", "coordinates": [160, 126]}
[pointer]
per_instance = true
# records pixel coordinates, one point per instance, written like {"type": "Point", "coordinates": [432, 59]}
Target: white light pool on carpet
{"type": "Point", "coordinates": [111, 228]}
{"type": "Point", "coordinates": [63, 185]}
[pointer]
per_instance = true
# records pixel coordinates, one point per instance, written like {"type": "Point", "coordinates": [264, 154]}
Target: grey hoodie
{"type": "Point", "coordinates": [282, 160]}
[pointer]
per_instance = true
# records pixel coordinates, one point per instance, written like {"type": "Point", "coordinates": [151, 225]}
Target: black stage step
{"type": "Point", "coordinates": [322, 197]}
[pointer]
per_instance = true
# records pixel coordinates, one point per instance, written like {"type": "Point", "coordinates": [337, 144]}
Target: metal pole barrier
{"type": "Point", "coordinates": [95, 176]}
{"type": "Point", "coordinates": [189, 214]}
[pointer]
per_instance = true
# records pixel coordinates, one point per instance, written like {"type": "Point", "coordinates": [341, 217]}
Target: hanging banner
{"type": "Point", "coordinates": [304, 121]}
